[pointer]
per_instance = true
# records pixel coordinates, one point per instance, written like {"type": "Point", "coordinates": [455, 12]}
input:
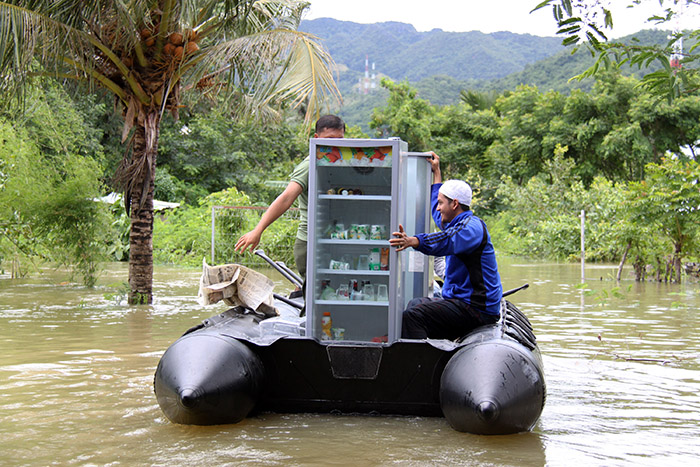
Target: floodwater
{"type": "Point", "coordinates": [77, 365]}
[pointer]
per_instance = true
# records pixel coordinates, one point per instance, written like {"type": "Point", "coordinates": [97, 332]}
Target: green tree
{"type": "Point", "coordinates": [47, 207]}
{"type": "Point", "coordinates": [669, 199]}
{"type": "Point", "coordinates": [613, 130]}
{"type": "Point", "coordinates": [668, 126]}
{"type": "Point", "coordinates": [601, 135]}
{"type": "Point", "coordinates": [462, 136]}
{"type": "Point", "coordinates": [557, 196]}
{"type": "Point", "coordinates": [148, 53]}
{"type": "Point", "coordinates": [526, 115]}
{"type": "Point", "coordinates": [405, 116]}
{"type": "Point", "coordinates": [200, 150]}
{"type": "Point", "coordinates": [479, 100]}
{"type": "Point", "coordinates": [587, 21]}
{"type": "Point", "coordinates": [19, 170]}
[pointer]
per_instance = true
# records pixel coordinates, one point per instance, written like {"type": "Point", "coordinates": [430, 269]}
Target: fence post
{"type": "Point", "coordinates": [583, 245]}
{"type": "Point", "coordinates": [213, 229]}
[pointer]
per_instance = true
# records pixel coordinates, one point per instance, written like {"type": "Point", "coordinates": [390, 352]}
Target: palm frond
{"type": "Point", "coordinates": [46, 37]}
{"type": "Point", "coordinates": [24, 35]}
{"type": "Point", "coordinates": [308, 78]}
{"type": "Point", "coordinates": [268, 67]}
{"type": "Point", "coordinates": [281, 14]}
{"type": "Point", "coordinates": [242, 48]}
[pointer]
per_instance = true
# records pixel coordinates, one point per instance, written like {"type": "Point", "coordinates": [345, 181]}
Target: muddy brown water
{"type": "Point", "coordinates": [76, 381]}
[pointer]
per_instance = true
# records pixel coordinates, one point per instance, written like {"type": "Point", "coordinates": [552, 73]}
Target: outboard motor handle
{"type": "Point", "coordinates": [517, 289]}
{"type": "Point", "coordinates": [279, 269]}
{"type": "Point", "coordinates": [289, 302]}
{"type": "Point", "coordinates": [289, 271]}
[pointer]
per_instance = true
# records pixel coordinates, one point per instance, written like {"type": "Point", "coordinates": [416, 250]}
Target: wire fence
{"type": "Point", "coordinates": [228, 223]}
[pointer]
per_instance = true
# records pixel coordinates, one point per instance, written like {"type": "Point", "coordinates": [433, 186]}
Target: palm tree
{"type": "Point", "coordinates": [147, 53]}
{"type": "Point", "coordinates": [479, 100]}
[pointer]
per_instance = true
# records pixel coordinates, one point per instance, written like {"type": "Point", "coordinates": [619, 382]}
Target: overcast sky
{"type": "Point", "coordinates": [473, 15]}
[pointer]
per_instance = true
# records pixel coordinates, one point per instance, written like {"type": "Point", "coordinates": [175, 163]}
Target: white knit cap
{"type": "Point", "coordinates": [457, 189]}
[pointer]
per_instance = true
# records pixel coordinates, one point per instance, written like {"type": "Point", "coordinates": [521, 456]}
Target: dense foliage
{"type": "Point", "coordinates": [49, 177]}
{"type": "Point", "coordinates": [184, 237]}
{"type": "Point", "coordinates": [208, 152]}
{"type": "Point", "coordinates": [586, 23]}
{"type": "Point", "coordinates": [535, 158]}
{"type": "Point", "coordinates": [148, 55]}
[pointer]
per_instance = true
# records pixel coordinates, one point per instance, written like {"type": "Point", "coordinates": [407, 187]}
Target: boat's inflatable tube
{"type": "Point", "coordinates": [208, 379]}
{"type": "Point", "coordinates": [489, 382]}
{"type": "Point", "coordinates": [492, 386]}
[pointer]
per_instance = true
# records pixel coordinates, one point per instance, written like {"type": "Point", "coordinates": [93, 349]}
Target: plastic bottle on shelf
{"type": "Point", "coordinates": [326, 324]}
{"type": "Point", "coordinates": [327, 292]}
{"type": "Point", "coordinates": [354, 287]}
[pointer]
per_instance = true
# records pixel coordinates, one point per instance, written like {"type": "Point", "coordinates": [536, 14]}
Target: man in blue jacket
{"type": "Point", "coordinates": [471, 295]}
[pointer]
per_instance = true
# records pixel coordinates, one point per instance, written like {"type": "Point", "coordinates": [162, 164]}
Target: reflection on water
{"type": "Point", "coordinates": [76, 376]}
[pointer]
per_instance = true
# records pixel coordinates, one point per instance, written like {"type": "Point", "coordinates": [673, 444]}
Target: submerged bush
{"type": "Point", "coordinates": [47, 209]}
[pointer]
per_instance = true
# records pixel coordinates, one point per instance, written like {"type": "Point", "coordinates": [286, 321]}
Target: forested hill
{"type": "Point", "coordinates": [555, 72]}
{"type": "Point", "coordinates": [400, 52]}
{"type": "Point", "coordinates": [440, 64]}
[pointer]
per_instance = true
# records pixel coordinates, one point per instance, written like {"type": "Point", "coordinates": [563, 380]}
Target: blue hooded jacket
{"type": "Point", "coordinates": [471, 272]}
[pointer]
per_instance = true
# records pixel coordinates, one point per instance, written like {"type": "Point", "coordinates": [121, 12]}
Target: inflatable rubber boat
{"type": "Point", "coordinates": [239, 363]}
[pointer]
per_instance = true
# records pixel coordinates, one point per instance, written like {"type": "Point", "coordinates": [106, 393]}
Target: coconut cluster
{"type": "Point", "coordinates": [178, 46]}
{"type": "Point", "coordinates": [160, 64]}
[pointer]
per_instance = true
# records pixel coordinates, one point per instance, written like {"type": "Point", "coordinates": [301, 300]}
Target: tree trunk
{"type": "Point", "coordinates": [141, 199]}
{"type": "Point", "coordinates": [638, 269]}
{"type": "Point", "coordinates": [677, 262]}
{"type": "Point", "coordinates": [622, 262]}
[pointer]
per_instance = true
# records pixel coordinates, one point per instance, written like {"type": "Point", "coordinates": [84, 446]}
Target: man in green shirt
{"type": "Point", "coordinates": [328, 126]}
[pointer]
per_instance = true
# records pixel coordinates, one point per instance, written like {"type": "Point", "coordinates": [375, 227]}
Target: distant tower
{"type": "Point", "coordinates": [366, 81]}
{"type": "Point", "coordinates": [677, 54]}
